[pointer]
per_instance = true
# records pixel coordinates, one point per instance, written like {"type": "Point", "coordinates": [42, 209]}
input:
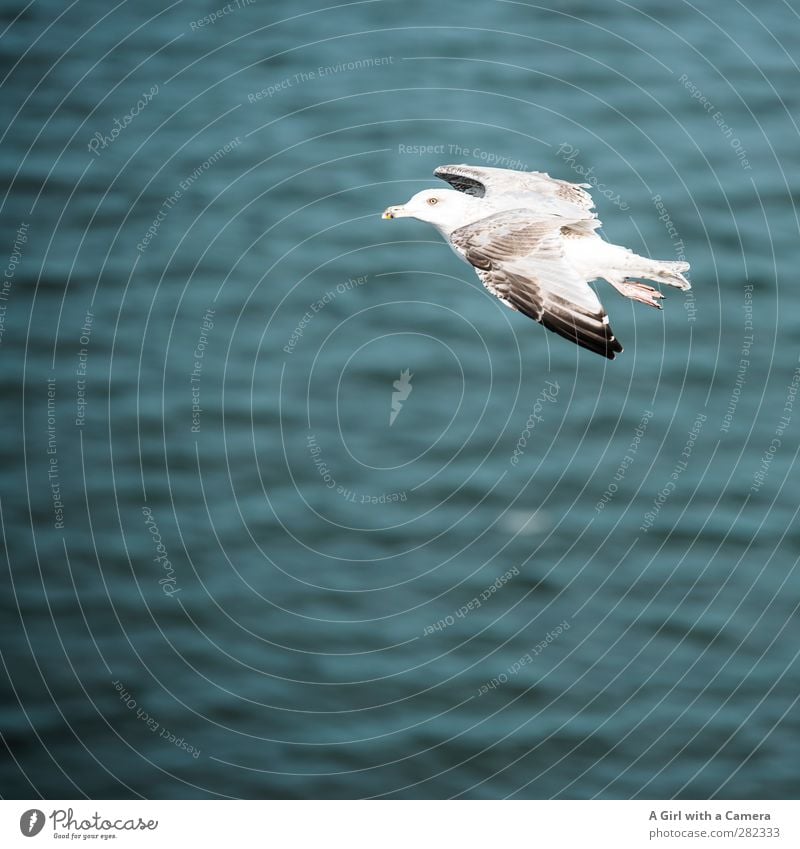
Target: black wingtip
{"type": "Point", "coordinates": [613, 348]}
{"type": "Point", "coordinates": [599, 340]}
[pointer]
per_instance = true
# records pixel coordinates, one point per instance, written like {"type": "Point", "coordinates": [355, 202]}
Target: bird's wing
{"type": "Point", "coordinates": [533, 189]}
{"type": "Point", "coordinates": [519, 256]}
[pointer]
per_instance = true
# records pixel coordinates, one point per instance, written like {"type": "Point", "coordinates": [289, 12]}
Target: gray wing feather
{"type": "Point", "coordinates": [533, 189]}
{"type": "Point", "coordinates": [520, 259]}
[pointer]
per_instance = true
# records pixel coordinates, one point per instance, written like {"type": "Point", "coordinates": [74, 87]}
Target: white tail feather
{"type": "Point", "coordinates": [661, 271]}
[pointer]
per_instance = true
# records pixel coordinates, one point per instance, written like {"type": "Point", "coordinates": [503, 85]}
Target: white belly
{"type": "Point", "coordinates": [593, 257]}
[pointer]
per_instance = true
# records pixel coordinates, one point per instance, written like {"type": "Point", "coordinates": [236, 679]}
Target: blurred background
{"type": "Point", "coordinates": [245, 555]}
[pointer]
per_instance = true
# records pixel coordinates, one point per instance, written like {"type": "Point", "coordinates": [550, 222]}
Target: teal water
{"type": "Point", "coordinates": [228, 574]}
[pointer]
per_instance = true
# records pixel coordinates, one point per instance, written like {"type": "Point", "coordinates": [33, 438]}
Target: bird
{"type": "Point", "coordinates": [533, 242]}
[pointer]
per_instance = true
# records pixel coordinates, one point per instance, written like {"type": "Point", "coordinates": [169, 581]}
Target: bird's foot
{"type": "Point", "coordinates": [640, 292]}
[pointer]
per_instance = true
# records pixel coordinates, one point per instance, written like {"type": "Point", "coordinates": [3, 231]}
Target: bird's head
{"type": "Point", "coordinates": [444, 208]}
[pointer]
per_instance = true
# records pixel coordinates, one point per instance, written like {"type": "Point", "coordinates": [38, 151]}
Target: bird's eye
{"type": "Point", "coordinates": [433, 201]}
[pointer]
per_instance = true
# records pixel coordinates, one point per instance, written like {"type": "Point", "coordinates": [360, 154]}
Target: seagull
{"type": "Point", "coordinates": [533, 242]}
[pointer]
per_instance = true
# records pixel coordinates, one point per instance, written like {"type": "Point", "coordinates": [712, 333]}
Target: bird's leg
{"type": "Point", "coordinates": [638, 292]}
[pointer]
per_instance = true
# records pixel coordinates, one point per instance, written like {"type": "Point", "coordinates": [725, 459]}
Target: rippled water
{"type": "Point", "coordinates": [229, 572]}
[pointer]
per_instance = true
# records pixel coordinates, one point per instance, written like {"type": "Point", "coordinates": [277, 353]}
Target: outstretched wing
{"type": "Point", "coordinates": [530, 189]}
{"type": "Point", "coordinates": [519, 256]}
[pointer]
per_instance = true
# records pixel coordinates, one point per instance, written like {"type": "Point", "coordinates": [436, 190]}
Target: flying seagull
{"type": "Point", "coordinates": [534, 244]}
